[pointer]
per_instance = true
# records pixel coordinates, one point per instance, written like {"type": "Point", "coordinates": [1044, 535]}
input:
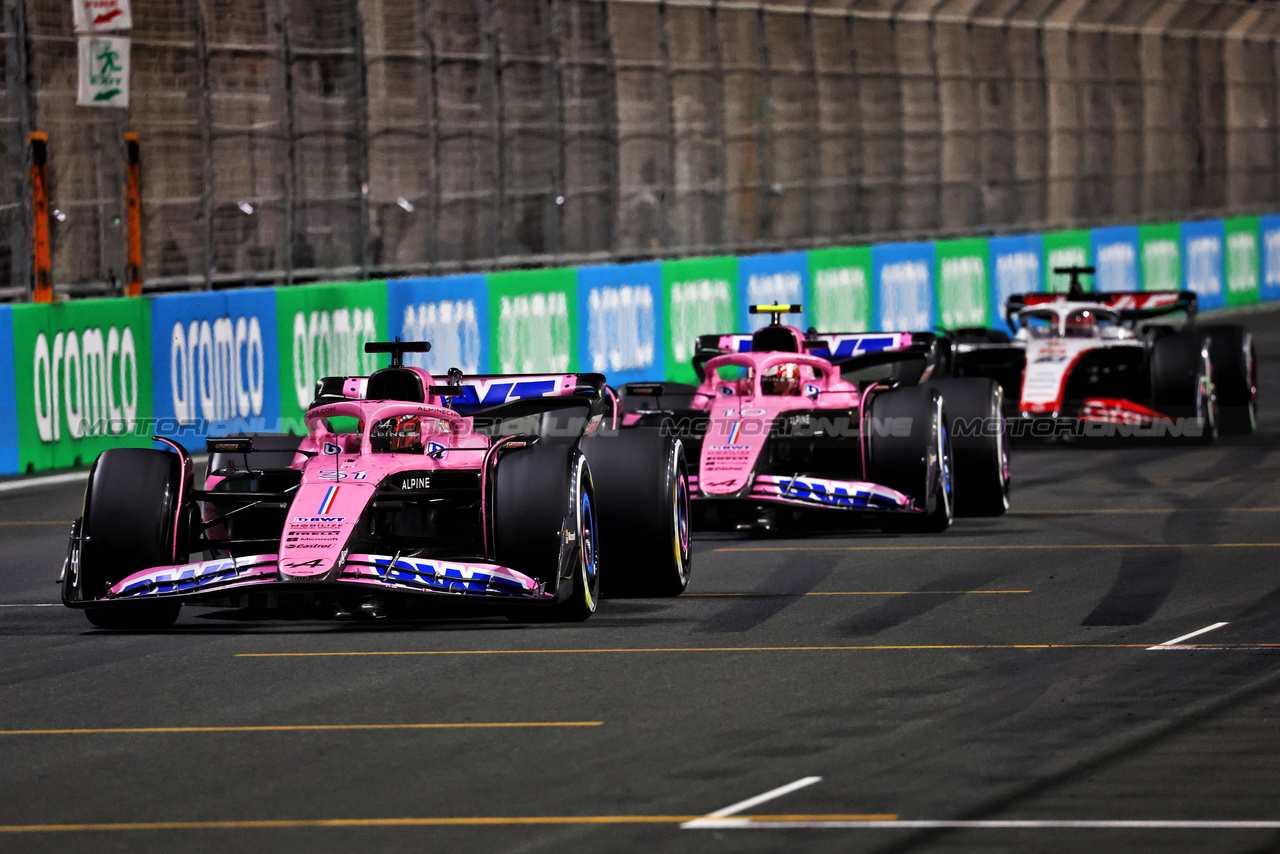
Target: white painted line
{"type": "Point", "coordinates": [35, 605]}
{"type": "Point", "coordinates": [1174, 643]}
{"type": "Point", "coordinates": [751, 802]}
{"type": "Point", "coordinates": [45, 480]}
{"type": "Point", "coordinates": [910, 824]}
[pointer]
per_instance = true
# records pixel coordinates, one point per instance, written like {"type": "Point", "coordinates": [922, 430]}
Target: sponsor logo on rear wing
{"type": "Point", "coordinates": [833, 345]}
{"type": "Point", "coordinates": [1129, 304]}
{"type": "Point", "coordinates": [478, 392]}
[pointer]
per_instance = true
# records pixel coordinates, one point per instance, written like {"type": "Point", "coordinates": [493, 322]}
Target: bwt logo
{"type": "Point", "coordinates": [964, 285]}
{"type": "Point", "coordinates": [452, 329]}
{"type": "Point", "coordinates": [1242, 257]}
{"type": "Point", "coordinates": [331, 344]}
{"type": "Point", "coordinates": [839, 297]}
{"type": "Point", "coordinates": [1160, 258]}
{"type": "Point", "coordinates": [1117, 267]}
{"type": "Point", "coordinates": [905, 298]}
{"type": "Point", "coordinates": [621, 329]}
{"type": "Point", "coordinates": [1066, 256]}
{"type": "Point", "coordinates": [533, 333]}
{"type": "Point", "coordinates": [1017, 273]}
{"type": "Point", "coordinates": [89, 381]}
{"type": "Point", "coordinates": [1204, 265]}
{"type": "Point", "coordinates": [218, 366]}
{"type": "Point", "coordinates": [698, 307]}
{"type": "Point", "coordinates": [783, 287]}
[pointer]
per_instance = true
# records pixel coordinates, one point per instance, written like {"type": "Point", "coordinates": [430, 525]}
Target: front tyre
{"type": "Point", "coordinates": [641, 484]}
{"type": "Point", "coordinates": [131, 523]}
{"type": "Point", "coordinates": [544, 525]}
{"type": "Point", "coordinates": [909, 449]}
{"type": "Point", "coordinates": [1235, 377]}
{"type": "Point", "coordinates": [975, 414]}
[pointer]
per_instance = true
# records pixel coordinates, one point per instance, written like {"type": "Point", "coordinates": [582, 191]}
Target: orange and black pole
{"type": "Point", "coordinates": [133, 212]}
{"type": "Point", "coordinates": [39, 143]}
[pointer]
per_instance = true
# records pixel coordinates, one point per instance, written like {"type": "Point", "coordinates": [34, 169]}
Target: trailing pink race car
{"type": "Point", "coordinates": [863, 422]}
{"type": "Point", "coordinates": [509, 490]}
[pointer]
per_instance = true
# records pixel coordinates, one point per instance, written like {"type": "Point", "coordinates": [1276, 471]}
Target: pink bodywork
{"type": "Point", "coordinates": [741, 416]}
{"type": "Point", "coordinates": [335, 490]}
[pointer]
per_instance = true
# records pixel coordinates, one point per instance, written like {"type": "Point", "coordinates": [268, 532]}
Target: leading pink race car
{"type": "Point", "coordinates": [508, 490]}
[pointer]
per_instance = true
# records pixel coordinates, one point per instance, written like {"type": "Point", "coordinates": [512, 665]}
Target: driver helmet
{"type": "Point", "coordinates": [781, 379]}
{"type": "Point", "coordinates": [1081, 323]}
{"type": "Point", "coordinates": [400, 434]}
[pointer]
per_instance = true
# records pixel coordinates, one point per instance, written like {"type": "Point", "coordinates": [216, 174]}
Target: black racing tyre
{"type": "Point", "coordinates": [641, 482]}
{"type": "Point", "coordinates": [909, 449]}
{"type": "Point", "coordinates": [1235, 377]}
{"type": "Point", "coordinates": [980, 453]}
{"type": "Point", "coordinates": [544, 525]}
{"type": "Point", "coordinates": [1182, 385]}
{"type": "Point", "coordinates": [131, 515]}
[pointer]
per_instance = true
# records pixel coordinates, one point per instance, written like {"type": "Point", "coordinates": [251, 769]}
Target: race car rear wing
{"type": "Point", "coordinates": [1130, 305]}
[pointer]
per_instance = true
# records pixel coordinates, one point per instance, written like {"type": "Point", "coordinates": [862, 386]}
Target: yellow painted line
{"type": "Point", "coordinates": [865, 648]}
{"type": "Point", "coordinates": [411, 822]}
{"type": "Point", "coordinates": [66, 523]}
{"type": "Point", "coordinates": [854, 593]}
{"type": "Point", "coordinates": [292, 728]}
{"type": "Point", "coordinates": [1061, 547]}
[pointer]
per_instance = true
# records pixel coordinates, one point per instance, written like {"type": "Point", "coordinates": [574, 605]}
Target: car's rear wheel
{"type": "Point", "coordinates": [1235, 377]}
{"type": "Point", "coordinates": [641, 484]}
{"type": "Point", "coordinates": [975, 416]}
{"type": "Point", "coordinates": [544, 525]}
{"type": "Point", "coordinates": [909, 450]}
{"type": "Point", "coordinates": [131, 523]}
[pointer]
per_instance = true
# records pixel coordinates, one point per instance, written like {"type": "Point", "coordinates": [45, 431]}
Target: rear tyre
{"type": "Point", "coordinates": [980, 455]}
{"type": "Point", "coordinates": [641, 482]}
{"type": "Point", "coordinates": [909, 449]}
{"type": "Point", "coordinates": [130, 523]}
{"type": "Point", "coordinates": [1235, 377]}
{"type": "Point", "coordinates": [544, 523]}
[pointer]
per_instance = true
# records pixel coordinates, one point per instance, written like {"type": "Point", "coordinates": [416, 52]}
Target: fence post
{"type": "Point", "coordinates": [39, 144]}
{"type": "Point", "coordinates": [133, 215]}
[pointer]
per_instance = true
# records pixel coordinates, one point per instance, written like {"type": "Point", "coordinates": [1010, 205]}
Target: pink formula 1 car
{"type": "Point", "coordinates": [789, 420]}
{"type": "Point", "coordinates": [513, 490]}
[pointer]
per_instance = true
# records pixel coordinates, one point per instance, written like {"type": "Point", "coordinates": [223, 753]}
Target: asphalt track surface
{"type": "Point", "coordinates": [988, 689]}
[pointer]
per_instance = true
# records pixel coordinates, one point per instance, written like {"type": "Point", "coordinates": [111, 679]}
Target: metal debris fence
{"type": "Point", "coordinates": [298, 140]}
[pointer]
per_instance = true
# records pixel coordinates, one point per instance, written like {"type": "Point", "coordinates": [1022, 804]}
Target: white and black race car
{"type": "Point", "coordinates": [1086, 363]}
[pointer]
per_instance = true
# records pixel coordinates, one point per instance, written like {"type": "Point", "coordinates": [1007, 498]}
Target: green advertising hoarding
{"type": "Point", "coordinates": [83, 380]}
{"type": "Point", "coordinates": [962, 285]}
{"type": "Point", "coordinates": [842, 289]}
{"type": "Point", "coordinates": [321, 332]}
{"type": "Point", "coordinates": [700, 299]}
{"type": "Point", "coordinates": [1065, 249]}
{"type": "Point", "coordinates": [533, 318]}
{"type": "Point", "coordinates": [1160, 257]}
{"type": "Point", "coordinates": [1241, 260]}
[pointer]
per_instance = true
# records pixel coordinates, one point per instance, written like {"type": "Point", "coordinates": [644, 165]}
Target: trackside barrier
{"type": "Point", "coordinates": [94, 374]}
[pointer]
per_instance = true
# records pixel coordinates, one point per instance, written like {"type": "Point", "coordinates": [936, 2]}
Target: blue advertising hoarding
{"type": "Point", "coordinates": [1202, 253]}
{"type": "Point", "coordinates": [903, 275]}
{"type": "Point", "coordinates": [451, 312]}
{"type": "Point", "coordinates": [214, 364]}
{"type": "Point", "coordinates": [620, 324]}
{"type": "Point", "coordinates": [1015, 269]}
{"type": "Point", "coordinates": [782, 278]}
{"type": "Point", "coordinates": [1114, 252]}
{"type": "Point", "coordinates": [1270, 260]}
